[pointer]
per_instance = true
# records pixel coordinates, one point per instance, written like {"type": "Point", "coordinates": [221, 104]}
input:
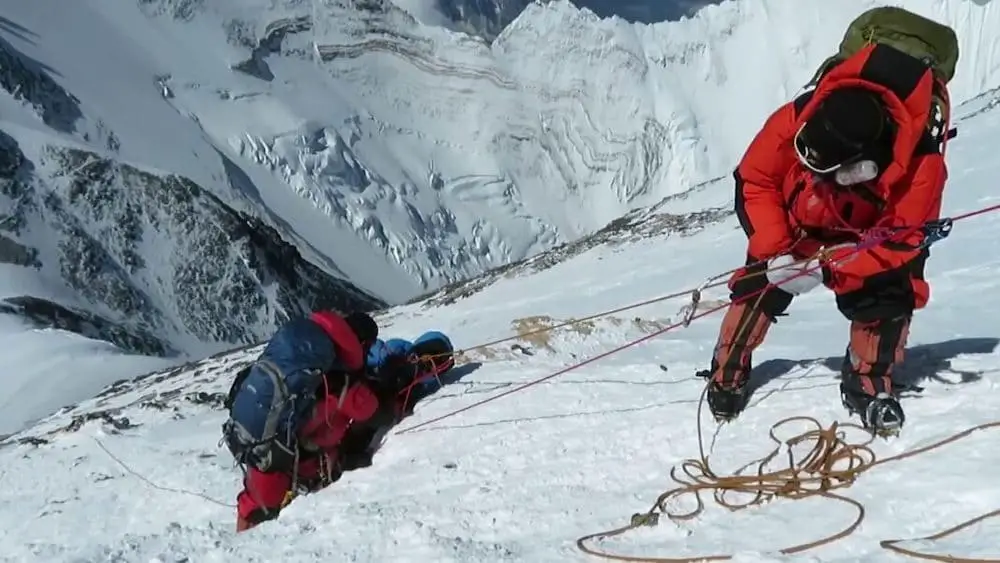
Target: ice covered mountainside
{"type": "Point", "coordinates": [109, 264]}
{"type": "Point", "coordinates": [519, 479]}
{"type": "Point", "coordinates": [411, 155]}
{"type": "Point", "coordinates": [356, 144]}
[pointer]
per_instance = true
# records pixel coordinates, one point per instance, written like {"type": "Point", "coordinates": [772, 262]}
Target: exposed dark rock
{"type": "Point", "coordinates": [214, 268]}
{"type": "Point", "coordinates": [274, 34]}
{"type": "Point", "coordinates": [159, 257]}
{"type": "Point", "coordinates": [29, 80]}
{"type": "Point", "coordinates": [487, 18]}
{"type": "Point", "coordinates": [181, 10]}
{"type": "Point", "coordinates": [46, 314]}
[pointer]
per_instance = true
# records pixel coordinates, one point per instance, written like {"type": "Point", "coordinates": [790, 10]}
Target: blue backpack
{"type": "Point", "coordinates": [273, 396]}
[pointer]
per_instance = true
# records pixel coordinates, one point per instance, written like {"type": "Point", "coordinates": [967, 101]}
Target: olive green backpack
{"type": "Point", "coordinates": [932, 43]}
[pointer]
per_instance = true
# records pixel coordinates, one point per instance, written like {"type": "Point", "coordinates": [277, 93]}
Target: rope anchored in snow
{"type": "Point", "coordinates": [681, 324]}
{"type": "Point", "coordinates": [933, 230]}
{"type": "Point", "coordinates": [153, 485]}
{"type": "Point", "coordinates": [695, 294]}
{"type": "Point", "coordinates": [891, 545]}
{"type": "Point", "coordinates": [830, 463]}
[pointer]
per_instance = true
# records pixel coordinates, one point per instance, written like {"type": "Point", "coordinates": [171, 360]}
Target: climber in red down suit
{"type": "Point", "coordinates": [292, 446]}
{"type": "Point", "coordinates": [863, 150]}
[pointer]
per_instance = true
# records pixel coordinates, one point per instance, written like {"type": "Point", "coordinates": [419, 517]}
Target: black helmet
{"type": "Point", "coordinates": [849, 125]}
{"type": "Point", "coordinates": [364, 327]}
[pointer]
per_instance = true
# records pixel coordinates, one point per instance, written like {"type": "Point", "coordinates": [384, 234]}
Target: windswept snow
{"type": "Point", "coordinates": [48, 369]}
{"type": "Point", "coordinates": [521, 478]}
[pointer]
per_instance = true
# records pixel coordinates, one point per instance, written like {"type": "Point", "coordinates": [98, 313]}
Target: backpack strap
{"type": "Point", "coordinates": [825, 67]}
{"type": "Point", "coordinates": [273, 420]}
{"type": "Point", "coordinates": [237, 383]}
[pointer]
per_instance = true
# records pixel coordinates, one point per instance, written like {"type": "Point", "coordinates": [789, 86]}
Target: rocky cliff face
{"type": "Point", "coordinates": [148, 260]}
{"type": "Point", "coordinates": [154, 261]}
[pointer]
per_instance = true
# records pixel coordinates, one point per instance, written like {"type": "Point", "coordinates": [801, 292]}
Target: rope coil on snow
{"type": "Point", "coordinates": [831, 463]}
{"type": "Point", "coordinates": [818, 474]}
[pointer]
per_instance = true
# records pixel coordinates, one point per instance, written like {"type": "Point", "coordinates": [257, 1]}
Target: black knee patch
{"type": "Point", "coordinates": [260, 515]}
{"type": "Point", "coordinates": [884, 296]}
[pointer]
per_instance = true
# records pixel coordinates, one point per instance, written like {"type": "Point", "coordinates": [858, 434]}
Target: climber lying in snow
{"type": "Point", "coordinates": [422, 362]}
{"type": "Point", "coordinates": [414, 369]}
{"type": "Point", "coordinates": [289, 410]}
{"type": "Point", "coordinates": [311, 405]}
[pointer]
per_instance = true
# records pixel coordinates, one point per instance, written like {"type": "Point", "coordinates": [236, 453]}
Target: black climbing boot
{"type": "Point", "coordinates": [743, 329]}
{"type": "Point", "coordinates": [880, 414]}
{"type": "Point", "coordinates": [726, 403]}
{"type": "Point", "coordinates": [866, 386]}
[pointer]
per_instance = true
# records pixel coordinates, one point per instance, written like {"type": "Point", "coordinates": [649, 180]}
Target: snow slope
{"type": "Point", "coordinates": [381, 156]}
{"type": "Point", "coordinates": [521, 478]}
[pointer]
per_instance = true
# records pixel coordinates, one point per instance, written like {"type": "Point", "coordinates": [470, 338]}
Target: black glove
{"type": "Point", "coordinates": [357, 449]}
{"type": "Point", "coordinates": [355, 460]}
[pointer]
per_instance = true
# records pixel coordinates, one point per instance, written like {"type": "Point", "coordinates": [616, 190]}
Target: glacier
{"type": "Point", "coordinates": [409, 155]}
{"type": "Point", "coordinates": [521, 478]}
{"type": "Point", "coordinates": [570, 166]}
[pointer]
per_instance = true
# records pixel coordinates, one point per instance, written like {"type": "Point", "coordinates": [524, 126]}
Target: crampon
{"type": "Point", "coordinates": [881, 415]}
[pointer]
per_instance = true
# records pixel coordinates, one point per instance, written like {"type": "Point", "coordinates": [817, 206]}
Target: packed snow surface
{"type": "Point", "coordinates": [521, 478]}
{"type": "Point", "coordinates": [395, 155]}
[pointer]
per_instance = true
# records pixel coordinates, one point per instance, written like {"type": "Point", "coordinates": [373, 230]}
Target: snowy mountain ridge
{"type": "Point", "coordinates": [352, 155]}
{"type": "Point", "coordinates": [406, 156]}
{"type": "Point", "coordinates": [519, 479]}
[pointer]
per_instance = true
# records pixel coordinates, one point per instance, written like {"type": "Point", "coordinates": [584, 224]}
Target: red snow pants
{"type": "Point", "coordinates": [264, 492]}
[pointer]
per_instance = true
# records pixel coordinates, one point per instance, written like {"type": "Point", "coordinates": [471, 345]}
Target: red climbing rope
{"type": "Point", "coordinates": [883, 236]}
{"type": "Point", "coordinates": [597, 357]}
{"type": "Point", "coordinates": [982, 211]}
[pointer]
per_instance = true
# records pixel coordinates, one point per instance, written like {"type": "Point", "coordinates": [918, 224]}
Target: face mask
{"type": "Point", "coordinates": [856, 173]}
